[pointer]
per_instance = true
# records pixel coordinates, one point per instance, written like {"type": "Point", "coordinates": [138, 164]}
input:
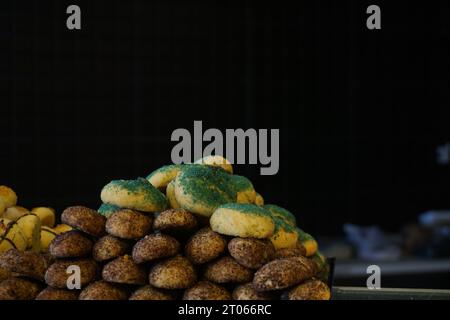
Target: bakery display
{"type": "Point", "coordinates": [192, 232]}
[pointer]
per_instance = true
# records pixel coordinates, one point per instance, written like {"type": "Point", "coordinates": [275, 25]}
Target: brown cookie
{"type": "Point", "coordinates": [84, 219]}
{"type": "Point", "coordinates": [250, 252]}
{"type": "Point", "coordinates": [72, 244]}
{"type": "Point", "coordinates": [56, 275]}
{"type": "Point", "coordinates": [205, 290]}
{"type": "Point", "coordinates": [173, 273]}
{"type": "Point", "coordinates": [128, 224]}
{"type": "Point", "coordinates": [205, 246]}
{"type": "Point", "coordinates": [109, 247]}
{"type": "Point", "coordinates": [155, 246]}
{"type": "Point", "coordinates": [24, 263]}
{"type": "Point", "coordinates": [102, 290]}
{"type": "Point", "coordinates": [227, 269]}
{"type": "Point", "coordinates": [124, 270]}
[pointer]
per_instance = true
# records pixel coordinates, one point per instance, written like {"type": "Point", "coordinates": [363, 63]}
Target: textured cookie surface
{"type": "Point", "coordinates": [281, 213]}
{"type": "Point", "coordinates": [109, 247]}
{"type": "Point", "coordinates": [216, 161]}
{"type": "Point", "coordinates": [107, 210]}
{"type": "Point", "coordinates": [137, 194]}
{"type": "Point", "coordinates": [205, 246]}
{"type": "Point", "coordinates": [56, 275]}
{"type": "Point", "coordinates": [102, 290]}
{"type": "Point", "coordinates": [242, 220]}
{"type": "Point", "coordinates": [251, 253]}
{"type": "Point", "coordinates": [72, 244]}
{"type": "Point", "coordinates": [7, 196]}
{"type": "Point", "coordinates": [50, 293]}
{"type": "Point", "coordinates": [201, 189]}
{"type": "Point", "coordinates": [283, 273]}
{"type": "Point", "coordinates": [310, 290]}
{"type": "Point", "coordinates": [247, 292]}
{"type": "Point", "coordinates": [128, 224]}
{"type": "Point", "coordinates": [124, 270]}
{"type": "Point", "coordinates": [150, 293]}
{"type": "Point", "coordinates": [155, 246]}
{"type": "Point", "coordinates": [227, 269]}
{"type": "Point", "coordinates": [84, 219]}
{"type": "Point", "coordinates": [205, 290]}
{"type": "Point", "coordinates": [19, 289]}
{"type": "Point", "coordinates": [24, 263]}
{"type": "Point", "coordinates": [285, 235]}
{"type": "Point", "coordinates": [175, 220]}
{"type": "Point", "coordinates": [173, 273]}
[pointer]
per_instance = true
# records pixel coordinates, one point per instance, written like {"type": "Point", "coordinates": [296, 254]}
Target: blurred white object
{"type": "Point", "coordinates": [373, 244]}
{"type": "Point", "coordinates": [435, 218]}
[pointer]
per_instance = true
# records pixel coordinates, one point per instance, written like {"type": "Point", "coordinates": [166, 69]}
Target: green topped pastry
{"type": "Point", "coordinates": [281, 213]}
{"type": "Point", "coordinates": [107, 209]}
{"type": "Point", "coordinates": [161, 177]}
{"type": "Point", "coordinates": [136, 194]}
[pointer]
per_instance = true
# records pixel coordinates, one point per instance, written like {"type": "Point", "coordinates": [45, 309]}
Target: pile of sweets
{"type": "Point", "coordinates": [193, 232]}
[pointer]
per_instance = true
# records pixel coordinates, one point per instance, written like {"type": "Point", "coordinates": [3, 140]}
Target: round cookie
{"type": "Point", "coordinates": [281, 213]}
{"type": "Point", "coordinates": [128, 224]}
{"type": "Point", "coordinates": [124, 270]}
{"type": "Point", "coordinates": [216, 161]}
{"type": "Point", "coordinates": [4, 274]}
{"type": "Point", "coordinates": [205, 290]}
{"type": "Point", "coordinates": [109, 247]}
{"type": "Point", "coordinates": [50, 293]}
{"type": "Point", "coordinates": [161, 177]}
{"type": "Point", "coordinates": [283, 273]}
{"type": "Point", "coordinates": [102, 290]}
{"type": "Point", "coordinates": [7, 196]}
{"type": "Point", "coordinates": [56, 275]}
{"type": "Point", "coordinates": [72, 244]}
{"type": "Point", "coordinates": [107, 210]}
{"type": "Point", "coordinates": [247, 292]}
{"type": "Point", "coordinates": [155, 246]}
{"type": "Point", "coordinates": [251, 253]}
{"type": "Point", "coordinates": [175, 221]}
{"type": "Point", "coordinates": [245, 193]}
{"type": "Point", "coordinates": [310, 290]}
{"type": "Point", "coordinates": [30, 225]}
{"type": "Point", "coordinates": [307, 241]}
{"type": "Point", "coordinates": [205, 246]}
{"type": "Point", "coordinates": [19, 289]}
{"type": "Point", "coordinates": [173, 273]}
{"type": "Point", "coordinates": [46, 215]}
{"type": "Point", "coordinates": [150, 293]}
{"type": "Point", "coordinates": [202, 189]}
{"type": "Point", "coordinates": [242, 220]}
{"type": "Point", "coordinates": [87, 220]}
{"type": "Point", "coordinates": [284, 236]}
{"type": "Point", "coordinates": [259, 200]}
{"type": "Point", "coordinates": [170, 195]}
{"type": "Point", "coordinates": [226, 270]}
{"type": "Point", "coordinates": [137, 194]}
{"type": "Point", "coordinates": [24, 263]}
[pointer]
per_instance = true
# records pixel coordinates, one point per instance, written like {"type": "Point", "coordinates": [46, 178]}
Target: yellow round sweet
{"type": "Point", "coordinates": [161, 177]}
{"type": "Point", "coordinates": [284, 236]}
{"type": "Point", "coordinates": [202, 189]}
{"type": "Point", "coordinates": [137, 194]}
{"type": "Point", "coordinates": [46, 215]}
{"type": "Point", "coordinates": [8, 196]}
{"type": "Point", "coordinates": [259, 200]}
{"type": "Point", "coordinates": [61, 228]}
{"type": "Point", "coordinates": [47, 236]}
{"type": "Point", "coordinates": [216, 161]}
{"type": "Point", "coordinates": [2, 207]}
{"type": "Point", "coordinates": [30, 226]}
{"type": "Point", "coordinates": [170, 194]}
{"type": "Point", "coordinates": [242, 220]}
{"type": "Point", "coordinates": [11, 236]}
{"type": "Point", "coordinates": [15, 212]}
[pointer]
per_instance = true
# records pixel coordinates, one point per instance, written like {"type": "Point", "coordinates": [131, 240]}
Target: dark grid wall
{"type": "Point", "coordinates": [360, 112]}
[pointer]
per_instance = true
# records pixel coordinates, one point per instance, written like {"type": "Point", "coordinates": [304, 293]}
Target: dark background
{"type": "Point", "coordinates": [360, 112]}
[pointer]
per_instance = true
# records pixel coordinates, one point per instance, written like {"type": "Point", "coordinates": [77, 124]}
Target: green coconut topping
{"type": "Point", "coordinates": [282, 213]}
{"type": "Point", "coordinates": [206, 184]}
{"type": "Point", "coordinates": [247, 208]}
{"type": "Point", "coordinates": [282, 224]}
{"type": "Point", "coordinates": [240, 183]}
{"type": "Point", "coordinates": [142, 186]}
{"type": "Point", "coordinates": [303, 236]}
{"type": "Point", "coordinates": [108, 209]}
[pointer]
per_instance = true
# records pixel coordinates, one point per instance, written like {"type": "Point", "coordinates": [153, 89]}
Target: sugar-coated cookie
{"type": "Point", "coordinates": [247, 292]}
{"type": "Point", "coordinates": [107, 210]}
{"type": "Point", "coordinates": [227, 270]}
{"type": "Point", "coordinates": [281, 213]}
{"type": "Point", "coordinates": [205, 290]}
{"type": "Point", "coordinates": [129, 224]}
{"type": "Point", "coordinates": [245, 193]}
{"type": "Point", "coordinates": [202, 189]}
{"type": "Point", "coordinates": [155, 246]}
{"type": "Point", "coordinates": [102, 290]}
{"type": "Point", "coordinates": [124, 270]}
{"type": "Point", "coordinates": [243, 220]}
{"type": "Point", "coordinates": [251, 253]}
{"type": "Point", "coordinates": [173, 273]}
{"type": "Point", "coordinates": [284, 236]}
{"type": "Point", "coordinates": [259, 200]}
{"type": "Point", "coordinates": [161, 177]}
{"type": "Point", "coordinates": [216, 161]}
{"type": "Point", "coordinates": [170, 195]}
{"type": "Point", "coordinates": [150, 293]}
{"type": "Point", "coordinates": [175, 221]}
{"type": "Point", "coordinates": [137, 194]}
{"type": "Point", "coordinates": [85, 219]}
{"type": "Point", "coordinates": [50, 293]}
{"type": "Point", "coordinates": [308, 242]}
{"type": "Point", "coordinates": [204, 246]}
{"type": "Point", "coordinates": [312, 289]}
